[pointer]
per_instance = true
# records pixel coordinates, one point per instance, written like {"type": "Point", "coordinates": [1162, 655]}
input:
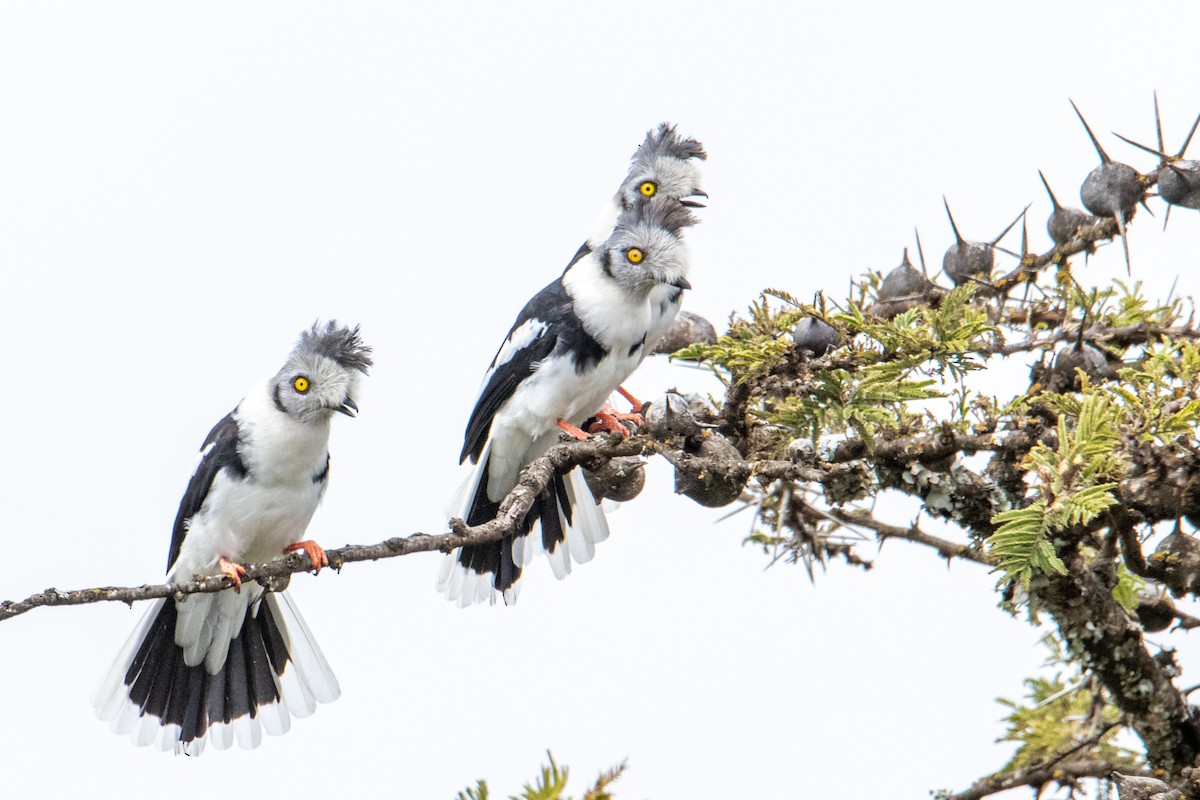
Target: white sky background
{"type": "Point", "coordinates": [183, 188]}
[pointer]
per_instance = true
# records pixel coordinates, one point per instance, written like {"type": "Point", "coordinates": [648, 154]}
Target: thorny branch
{"type": "Point", "coordinates": [533, 481]}
{"type": "Point", "coordinates": [1100, 633]}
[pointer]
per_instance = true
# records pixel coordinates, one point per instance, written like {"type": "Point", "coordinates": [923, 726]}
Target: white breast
{"type": "Point", "coordinates": [252, 519]}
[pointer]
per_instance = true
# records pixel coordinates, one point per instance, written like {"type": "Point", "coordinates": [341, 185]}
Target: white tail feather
{"type": "Point", "coordinates": [589, 527]}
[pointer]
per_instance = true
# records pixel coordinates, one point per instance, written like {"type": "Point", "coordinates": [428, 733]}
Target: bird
{"type": "Point", "coordinates": [225, 666]}
{"type": "Point", "coordinates": [570, 347]}
{"type": "Point", "coordinates": [665, 164]}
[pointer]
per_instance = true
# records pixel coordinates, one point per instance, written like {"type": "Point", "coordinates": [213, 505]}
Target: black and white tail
{"type": "Point", "coordinates": [247, 665]}
{"type": "Point", "coordinates": [564, 522]}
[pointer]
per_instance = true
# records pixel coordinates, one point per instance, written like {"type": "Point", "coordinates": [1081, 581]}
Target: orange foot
{"type": "Point", "coordinates": [315, 554]}
{"type": "Point", "coordinates": [638, 405]}
{"type": "Point", "coordinates": [607, 420]}
{"type": "Point", "coordinates": [233, 570]}
{"type": "Point", "coordinates": [572, 430]}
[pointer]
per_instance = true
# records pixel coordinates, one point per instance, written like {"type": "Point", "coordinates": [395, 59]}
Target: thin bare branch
{"type": "Point", "coordinates": [534, 479]}
{"type": "Point", "coordinates": [883, 531]}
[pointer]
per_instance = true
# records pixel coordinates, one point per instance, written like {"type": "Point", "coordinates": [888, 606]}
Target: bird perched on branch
{"type": "Point", "coordinates": [570, 347]}
{"type": "Point", "coordinates": [665, 164]}
{"type": "Point", "coordinates": [225, 666]}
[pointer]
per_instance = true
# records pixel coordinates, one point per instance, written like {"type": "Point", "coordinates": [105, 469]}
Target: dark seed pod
{"type": "Point", "coordinates": [905, 282]}
{"type": "Point", "coordinates": [971, 262]}
{"type": "Point", "coordinates": [905, 287]}
{"type": "Point", "coordinates": [817, 336]}
{"type": "Point", "coordinates": [1179, 184]}
{"type": "Point", "coordinates": [1064, 222]}
{"type": "Point", "coordinates": [1112, 189]}
{"type": "Point", "coordinates": [1178, 179]}
{"type": "Point", "coordinates": [620, 479]}
{"type": "Point", "coordinates": [1189, 496]}
{"type": "Point", "coordinates": [1082, 356]}
{"type": "Point", "coordinates": [1131, 787]}
{"type": "Point", "coordinates": [688, 329]}
{"type": "Point", "coordinates": [1178, 556]}
{"type": "Point", "coordinates": [705, 487]}
{"type": "Point", "coordinates": [671, 418]}
{"type": "Point", "coordinates": [1155, 611]}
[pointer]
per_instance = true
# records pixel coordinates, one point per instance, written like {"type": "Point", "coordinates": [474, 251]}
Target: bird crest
{"type": "Point", "coordinates": [338, 343]}
{"type": "Point", "coordinates": [665, 141]}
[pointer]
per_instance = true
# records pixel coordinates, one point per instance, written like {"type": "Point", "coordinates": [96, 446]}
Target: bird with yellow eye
{"type": "Point", "coordinates": [568, 350]}
{"type": "Point", "coordinates": [665, 165]}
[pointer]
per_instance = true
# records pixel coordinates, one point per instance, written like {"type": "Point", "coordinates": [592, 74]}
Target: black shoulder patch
{"type": "Point", "coordinates": [587, 351]}
{"type": "Point", "coordinates": [224, 438]}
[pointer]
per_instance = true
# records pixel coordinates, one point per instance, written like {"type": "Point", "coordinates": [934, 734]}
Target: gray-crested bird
{"type": "Point", "coordinates": [664, 165]}
{"type": "Point", "coordinates": [226, 666]}
{"type": "Point", "coordinates": [570, 347]}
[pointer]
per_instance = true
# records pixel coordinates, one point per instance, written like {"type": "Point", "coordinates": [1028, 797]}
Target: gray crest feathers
{"type": "Point", "coordinates": [336, 342]}
{"type": "Point", "coordinates": [666, 141]}
{"type": "Point", "coordinates": [666, 213]}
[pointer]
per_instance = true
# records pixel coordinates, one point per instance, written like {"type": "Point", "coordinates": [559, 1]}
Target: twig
{"type": "Point", "coordinates": [946, 548]}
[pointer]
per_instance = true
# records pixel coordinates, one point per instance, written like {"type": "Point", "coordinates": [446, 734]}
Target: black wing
{"type": "Point", "coordinates": [220, 450]}
{"type": "Point", "coordinates": [563, 331]}
{"type": "Point", "coordinates": [548, 306]}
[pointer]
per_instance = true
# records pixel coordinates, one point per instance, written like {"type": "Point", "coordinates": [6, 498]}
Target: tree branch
{"type": "Point", "coordinates": [1039, 776]}
{"type": "Point", "coordinates": [883, 531]}
{"type": "Point", "coordinates": [533, 480]}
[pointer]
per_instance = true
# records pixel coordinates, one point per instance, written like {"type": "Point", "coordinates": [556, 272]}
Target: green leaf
{"type": "Point", "coordinates": [479, 792]}
{"type": "Point", "coordinates": [550, 786]}
{"type": "Point", "coordinates": [1127, 588]}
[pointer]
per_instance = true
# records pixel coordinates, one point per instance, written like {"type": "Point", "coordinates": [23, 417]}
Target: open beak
{"type": "Point", "coordinates": [348, 407]}
{"type": "Point", "coordinates": [682, 283]}
{"type": "Point", "coordinates": [694, 203]}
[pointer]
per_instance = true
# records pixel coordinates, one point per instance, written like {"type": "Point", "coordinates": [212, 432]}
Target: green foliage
{"type": "Point", "coordinates": [480, 792]}
{"type": "Point", "coordinates": [1021, 545]}
{"type": "Point", "coordinates": [1074, 488]}
{"type": "Point", "coordinates": [867, 387]}
{"type": "Point", "coordinates": [1157, 397]}
{"type": "Point", "coordinates": [599, 790]}
{"type": "Point", "coordinates": [1127, 588]}
{"type": "Point", "coordinates": [551, 785]}
{"type": "Point", "coordinates": [1061, 715]}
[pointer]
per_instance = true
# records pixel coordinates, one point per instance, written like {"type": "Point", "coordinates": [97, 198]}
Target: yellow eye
{"type": "Point", "coordinates": [648, 189]}
{"type": "Point", "coordinates": [634, 255]}
{"type": "Point", "coordinates": [300, 384]}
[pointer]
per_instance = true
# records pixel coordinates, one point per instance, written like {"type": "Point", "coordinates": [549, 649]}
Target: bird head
{"type": "Point", "coordinates": [321, 373]}
{"type": "Point", "coordinates": [645, 249]}
{"type": "Point", "coordinates": [664, 165]}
